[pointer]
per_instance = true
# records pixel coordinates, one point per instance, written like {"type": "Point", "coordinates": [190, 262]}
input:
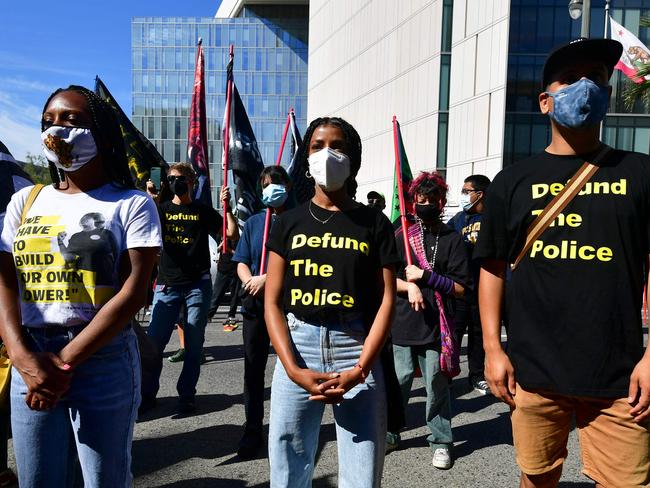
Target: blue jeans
{"type": "Point", "coordinates": [295, 420]}
{"type": "Point", "coordinates": [97, 415]}
{"type": "Point", "coordinates": [167, 303]}
{"type": "Point", "coordinates": [438, 408]}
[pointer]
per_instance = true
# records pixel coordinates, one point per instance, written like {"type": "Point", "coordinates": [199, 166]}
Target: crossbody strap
{"type": "Point", "coordinates": [559, 203]}
{"type": "Point", "coordinates": [36, 189]}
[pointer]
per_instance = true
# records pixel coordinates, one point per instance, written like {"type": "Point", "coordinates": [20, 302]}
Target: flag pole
{"type": "Point", "coordinates": [267, 220]}
{"type": "Point", "coordinates": [400, 191]}
{"type": "Point", "coordinates": [226, 149]}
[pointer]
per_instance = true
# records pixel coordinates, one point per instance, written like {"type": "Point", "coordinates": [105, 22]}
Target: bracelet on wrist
{"type": "Point", "coordinates": [364, 375]}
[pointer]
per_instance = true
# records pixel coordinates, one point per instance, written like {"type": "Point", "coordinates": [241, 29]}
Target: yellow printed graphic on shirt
{"type": "Point", "coordinates": [571, 248]}
{"type": "Point", "coordinates": [53, 268]}
{"type": "Point", "coordinates": [307, 267]}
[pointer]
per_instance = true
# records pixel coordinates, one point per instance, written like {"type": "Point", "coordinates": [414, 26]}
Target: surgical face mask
{"type": "Point", "coordinates": [427, 213]}
{"type": "Point", "coordinates": [581, 104]}
{"type": "Point", "coordinates": [274, 195]}
{"type": "Point", "coordinates": [69, 148]}
{"type": "Point", "coordinates": [329, 168]}
{"type": "Point", "coordinates": [466, 202]}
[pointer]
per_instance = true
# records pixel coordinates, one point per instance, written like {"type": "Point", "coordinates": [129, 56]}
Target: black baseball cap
{"type": "Point", "coordinates": [375, 194]}
{"type": "Point", "coordinates": [581, 50]}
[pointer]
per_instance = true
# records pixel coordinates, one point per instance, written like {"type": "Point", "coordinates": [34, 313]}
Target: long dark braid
{"type": "Point", "coordinates": [352, 149]}
{"type": "Point", "coordinates": [108, 137]}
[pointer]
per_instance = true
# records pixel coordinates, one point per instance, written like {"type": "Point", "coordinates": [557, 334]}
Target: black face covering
{"type": "Point", "coordinates": [428, 213]}
{"type": "Point", "coordinates": [178, 187]}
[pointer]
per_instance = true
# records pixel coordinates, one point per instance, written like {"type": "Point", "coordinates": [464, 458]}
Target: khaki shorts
{"type": "Point", "coordinates": [615, 450]}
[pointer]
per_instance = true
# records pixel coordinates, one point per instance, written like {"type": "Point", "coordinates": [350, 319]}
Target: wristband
{"type": "Point", "coordinates": [438, 282]}
{"type": "Point", "coordinates": [364, 375]}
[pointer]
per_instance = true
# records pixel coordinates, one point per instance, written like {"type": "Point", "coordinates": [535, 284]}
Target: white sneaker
{"type": "Point", "coordinates": [481, 386]}
{"type": "Point", "coordinates": [441, 458]}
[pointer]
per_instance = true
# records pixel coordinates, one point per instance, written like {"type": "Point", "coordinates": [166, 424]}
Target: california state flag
{"type": "Point", "coordinates": [635, 53]}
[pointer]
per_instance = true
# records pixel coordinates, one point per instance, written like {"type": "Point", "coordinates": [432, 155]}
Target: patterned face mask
{"type": "Point", "coordinates": [69, 148]}
{"type": "Point", "coordinates": [581, 104]}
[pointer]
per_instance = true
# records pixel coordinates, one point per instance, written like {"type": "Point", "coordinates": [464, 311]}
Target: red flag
{"type": "Point", "coordinates": [197, 139]}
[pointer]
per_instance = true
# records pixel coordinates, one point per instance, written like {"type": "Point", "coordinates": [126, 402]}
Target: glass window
{"type": "Point", "coordinates": [443, 126]}
{"type": "Point", "coordinates": [150, 127]}
{"type": "Point", "coordinates": [445, 71]}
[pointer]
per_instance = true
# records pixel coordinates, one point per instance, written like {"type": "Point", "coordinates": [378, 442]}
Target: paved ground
{"type": "Point", "coordinates": [199, 451]}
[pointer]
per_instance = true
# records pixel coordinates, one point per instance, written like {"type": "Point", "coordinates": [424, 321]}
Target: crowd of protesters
{"type": "Point", "coordinates": [556, 248]}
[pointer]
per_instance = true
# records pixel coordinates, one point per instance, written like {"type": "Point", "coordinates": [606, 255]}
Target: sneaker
{"type": "Point", "coordinates": [250, 444]}
{"type": "Point", "coordinates": [177, 357]}
{"type": "Point", "coordinates": [481, 386]}
{"type": "Point", "coordinates": [391, 446]}
{"type": "Point", "coordinates": [441, 458]}
{"type": "Point", "coordinates": [186, 406]}
{"type": "Point", "coordinates": [230, 324]}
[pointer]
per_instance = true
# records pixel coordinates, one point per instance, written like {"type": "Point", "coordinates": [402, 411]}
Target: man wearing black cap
{"type": "Point", "coordinates": [575, 340]}
{"type": "Point", "coordinates": [376, 200]}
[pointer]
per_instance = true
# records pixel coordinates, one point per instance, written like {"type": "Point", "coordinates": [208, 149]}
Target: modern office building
{"type": "Point", "coordinates": [462, 76]}
{"type": "Point", "coordinates": [270, 70]}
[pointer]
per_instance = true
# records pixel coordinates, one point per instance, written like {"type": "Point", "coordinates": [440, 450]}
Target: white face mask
{"type": "Point", "coordinates": [329, 168]}
{"type": "Point", "coordinates": [465, 202]}
{"type": "Point", "coordinates": [69, 148]}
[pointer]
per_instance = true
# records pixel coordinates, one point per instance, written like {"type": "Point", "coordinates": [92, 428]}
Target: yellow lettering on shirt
{"type": "Point", "coordinates": [329, 241]}
{"type": "Point", "coordinates": [571, 250]}
{"type": "Point", "coordinates": [591, 188]}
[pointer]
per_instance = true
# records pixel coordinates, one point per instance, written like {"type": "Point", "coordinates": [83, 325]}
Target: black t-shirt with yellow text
{"type": "Point", "coordinates": [574, 302]}
{"type": "Point", "coordinates": [185, 255]}
{"type": "Point", "coordinates": [333, 266]}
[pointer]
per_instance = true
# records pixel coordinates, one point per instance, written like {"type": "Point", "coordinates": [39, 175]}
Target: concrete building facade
{"type": "Point", "coordinates": [462, 77]}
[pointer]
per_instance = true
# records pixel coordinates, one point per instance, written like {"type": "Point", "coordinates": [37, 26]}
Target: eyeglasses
{"type": "Point", "coordinates": [181, 178]}
{"type": "Point", "coordinates": [467, 192]}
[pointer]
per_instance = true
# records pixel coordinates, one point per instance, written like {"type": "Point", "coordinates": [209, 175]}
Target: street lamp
{"type": "Point", "coordinates": [581, 8]}
{"type": "Point", "coordinates": [575, 9]}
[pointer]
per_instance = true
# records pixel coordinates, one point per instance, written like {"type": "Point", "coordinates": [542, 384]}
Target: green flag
{"type": "Point", "coordinates": [406, 176]}
{"type": "Point", "coordinates": [142, 155]}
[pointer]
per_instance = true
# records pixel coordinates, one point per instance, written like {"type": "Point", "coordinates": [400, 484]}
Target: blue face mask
{"type": "Point", "coordinates": [581, 104]}
{"type": "Point", "coordinates": [274, 195]}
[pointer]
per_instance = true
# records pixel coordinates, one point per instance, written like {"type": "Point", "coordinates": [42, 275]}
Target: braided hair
{"type": "Point", "coordinates": [352, 147]}
{"type": "Point", "coordinates": [107, 134]}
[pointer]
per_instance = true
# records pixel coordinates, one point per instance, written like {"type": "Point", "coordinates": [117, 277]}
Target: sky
{"type": "Point", "coordinates": [47, 45]}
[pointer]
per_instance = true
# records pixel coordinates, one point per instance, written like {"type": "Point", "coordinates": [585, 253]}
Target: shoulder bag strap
{"type": "Point", "coordinates": [30, 201]}
{"type": "Point", "coordinates": [559, 203]}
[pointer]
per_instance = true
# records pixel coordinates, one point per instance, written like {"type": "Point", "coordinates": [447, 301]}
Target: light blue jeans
{"type": "Point", "coordinates": [438, 407]}
{"type": "Point", "coordinates": [167, 304]}
{"type": "Point", "coordinates": [97, 415]}
{"type": "Point", "coordinates": [295, 420]}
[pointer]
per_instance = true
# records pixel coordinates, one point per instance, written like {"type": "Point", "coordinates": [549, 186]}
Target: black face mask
{"type": "Point", "coordinates": [428, 213]}
{"type": "Point", "coordinates": [178, 187]}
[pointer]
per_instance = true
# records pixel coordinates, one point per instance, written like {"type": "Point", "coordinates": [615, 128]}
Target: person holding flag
{"type": "Point", "coordinates": [276, 188]}
{"type": "Point", "coordinates": [331, 272]}
{"type": "Point", "coordinates": [184, 281]}
{"type": "Point", "coordinates": [424, 289]}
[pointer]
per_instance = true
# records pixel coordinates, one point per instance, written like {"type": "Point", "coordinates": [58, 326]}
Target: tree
{"type": "Point", "coordinates": [37, 167]}
{"type": "Point", "coordinates": [634, 92]}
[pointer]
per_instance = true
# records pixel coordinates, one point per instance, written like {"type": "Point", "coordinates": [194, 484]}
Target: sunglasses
{"type": "Point", "coordinates": [467, 192]}
{"type": "Point", "coordinates": [181, 178]}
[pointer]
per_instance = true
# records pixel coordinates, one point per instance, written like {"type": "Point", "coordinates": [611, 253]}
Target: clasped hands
{"type": "Point", "coordinates": [327, 387]}
{"type": "Point", "coordinates": [47, 378]}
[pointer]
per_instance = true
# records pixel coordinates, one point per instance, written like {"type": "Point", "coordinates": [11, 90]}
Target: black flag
{"type": "Point", "coordinates": [302, 187]}
{"type": "Point", "coordinates": [244, 158]}
{"type": "Point", "coordinates": [142, 155]}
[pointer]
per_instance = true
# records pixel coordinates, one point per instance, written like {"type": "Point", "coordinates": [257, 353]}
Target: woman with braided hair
{"type": "Point", "coordinates": [439, 272]}
{"type": "Point", "coordinates": [331, 272]}
{"type": "Point", "coordinates": [76, 368]}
